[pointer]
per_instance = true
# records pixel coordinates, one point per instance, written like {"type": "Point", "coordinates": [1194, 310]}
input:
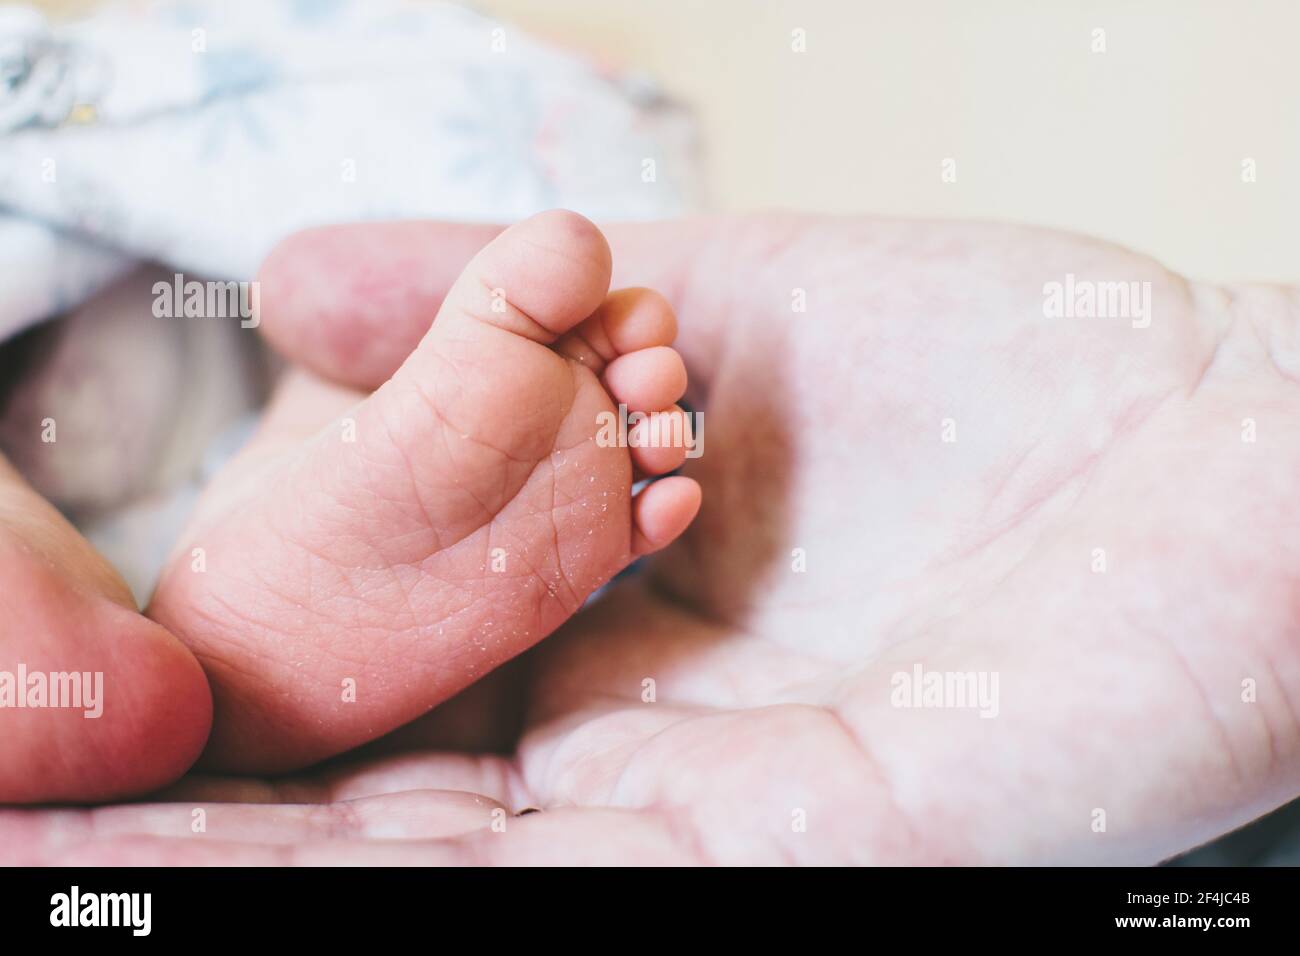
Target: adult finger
{"type": "Point", "coordinates": [571, 836]}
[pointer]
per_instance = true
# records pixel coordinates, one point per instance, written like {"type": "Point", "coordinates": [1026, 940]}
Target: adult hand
{"type": "Point", "coordinates": [921, 476]}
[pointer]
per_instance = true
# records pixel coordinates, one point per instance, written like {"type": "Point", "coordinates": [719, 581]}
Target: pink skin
{"type": "Point", "coordinates": [63, 609]}
{"type": "Point", "coordinates": [1119, 691]}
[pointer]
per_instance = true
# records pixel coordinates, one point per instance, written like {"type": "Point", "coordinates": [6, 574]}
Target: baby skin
{"type": "Point", "coordinates": [336, 584]}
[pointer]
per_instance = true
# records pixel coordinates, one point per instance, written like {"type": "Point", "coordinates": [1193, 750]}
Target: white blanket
{"type": "Point", "coordinates": [198, 134]}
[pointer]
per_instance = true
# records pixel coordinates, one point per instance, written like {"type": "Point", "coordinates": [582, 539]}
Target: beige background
{"type": "Point", "coordinates": [1142, 144]}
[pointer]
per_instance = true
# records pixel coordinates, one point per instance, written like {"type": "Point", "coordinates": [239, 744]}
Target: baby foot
{"type": "Point", "coordinates": [96, 701]}
{"type": "Point", "coordinates": [445, 523]}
